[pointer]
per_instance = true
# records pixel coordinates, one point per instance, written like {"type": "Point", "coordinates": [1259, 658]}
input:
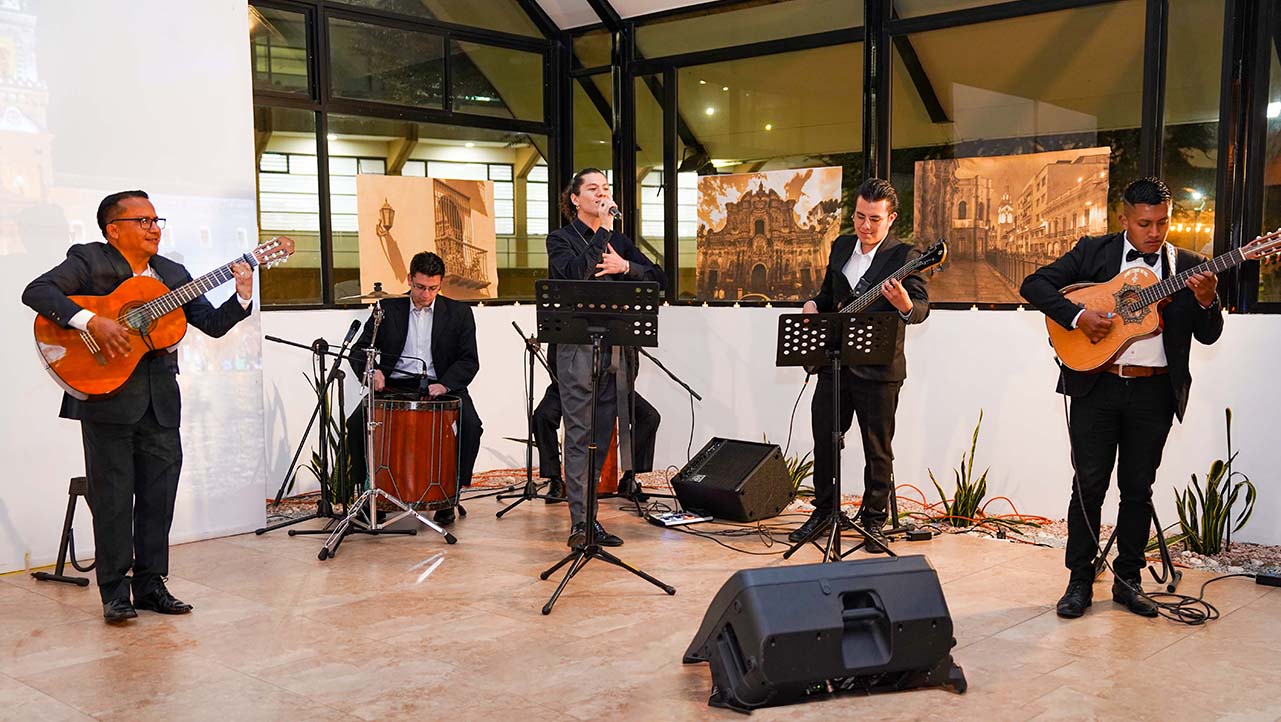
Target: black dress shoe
{"type": "Point", "coordinates": [444, 517]}
{"type": "Point", "coordinates": [1079, 596]}
{"type": "Point", "coordinates": [817, 518]}
{"type": "Point", "coordinates": [629, 488]}
{"type": "Point", "coordinates": [577, 536]}
{"type": "Point", "coordinates": [1123, 593]}
{"type": "Point", "coordinates": [606, 539]}
{"type": "Point", "coordinates": [874, 540]}
{"type": "Point", "coordinates": [117, 611]}
{"type": "Point", "coordinates": [160, 600]}
{"type": "Point", "coordinates": [555, 491]}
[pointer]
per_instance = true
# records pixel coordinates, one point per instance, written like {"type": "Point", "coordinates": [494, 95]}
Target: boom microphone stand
{"type": "Point", "coordinates": [532, 489]}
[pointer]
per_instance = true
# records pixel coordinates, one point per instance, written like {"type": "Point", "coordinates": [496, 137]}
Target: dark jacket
{"type": "Point", "coordinates": [96, 269]}
{"type": "Point", "coordinates": [574, 250]}
{"type": "Point", "coordinates": [1096, 259]}
{"type": "Point", "coordinates": [453, 341]}
{"type": "Point", "coordinates": [836, 292]}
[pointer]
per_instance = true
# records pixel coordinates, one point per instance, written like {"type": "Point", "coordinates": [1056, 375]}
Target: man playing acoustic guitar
{"type": "Point", "coordinates": [1121, 413]}
{"type": "Point", "coordinates": [133, 452]}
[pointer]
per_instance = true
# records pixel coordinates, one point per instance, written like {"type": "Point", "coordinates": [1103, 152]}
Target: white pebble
{"type": "Point", "coordinates": [1196, 561]}
{"type": "Point", "coordinates": [1235, 570]}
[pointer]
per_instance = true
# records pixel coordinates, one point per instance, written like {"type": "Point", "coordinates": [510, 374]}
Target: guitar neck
{"type": "Point", "coordinates": [1172, 285]}
{"type": "Point", "coordinates": [870, 296]}
{"type": "Point", "coordinates": [195, 288]}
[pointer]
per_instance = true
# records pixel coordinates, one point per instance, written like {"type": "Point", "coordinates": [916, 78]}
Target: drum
{"type": "Point", "coordinates": [416, 452]}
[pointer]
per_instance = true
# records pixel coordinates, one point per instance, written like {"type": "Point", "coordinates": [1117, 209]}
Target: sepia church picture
{"type": "Point", "coordinates": [764, 236]}
{"type": "Point", "coordinates": [1006, 216]}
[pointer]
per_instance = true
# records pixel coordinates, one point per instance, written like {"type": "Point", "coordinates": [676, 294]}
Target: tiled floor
{"type": "Point", "coordinates": [410, 628]}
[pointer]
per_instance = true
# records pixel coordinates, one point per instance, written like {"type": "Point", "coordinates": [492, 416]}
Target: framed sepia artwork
{"type": "Point", "coordinates": [765, 236]}
{"type": "Point", "coordinates": [1006, 216]}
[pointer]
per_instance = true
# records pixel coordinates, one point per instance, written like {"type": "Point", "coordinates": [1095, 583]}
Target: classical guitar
{"type": "Point", "coordinates": [1136, 298]}
{"type": "Point", "coordinates": [149, 310]}
{"type": "Point", "coordinates": [933, 257]}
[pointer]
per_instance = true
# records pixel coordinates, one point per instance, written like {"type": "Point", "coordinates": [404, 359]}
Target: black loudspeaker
{"type": "Point", "coordinates": [781, 634]}
{"type": "Point", "coordinates": [735, 480]}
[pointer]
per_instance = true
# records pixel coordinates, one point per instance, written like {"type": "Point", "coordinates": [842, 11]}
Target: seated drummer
{"type": "Point", "coordinates": [428, 348]}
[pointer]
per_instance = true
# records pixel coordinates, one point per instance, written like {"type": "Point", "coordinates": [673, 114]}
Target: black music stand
{"type": "Point", "coordinates": [835, 340]}
{"type": "Point", "coordinates": [595, 312]}
{"type": "Point", "coordinates": [531, 490]}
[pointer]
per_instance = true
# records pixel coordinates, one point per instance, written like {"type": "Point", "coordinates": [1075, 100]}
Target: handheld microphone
{"type": "Point", "coordinates": [351, 332]}
{"type": "Point", "coordinates": [613, 211]}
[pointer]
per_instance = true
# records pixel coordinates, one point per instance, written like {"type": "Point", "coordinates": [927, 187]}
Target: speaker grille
{"type": "Point", "coordinates": [726, 463]}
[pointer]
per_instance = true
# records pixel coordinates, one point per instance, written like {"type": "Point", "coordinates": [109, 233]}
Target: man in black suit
{"type": "Point", "coordinates": [1129, 407]}
{"type": "Point", "coordinates": [857, 264]}
{"type": "Point", "coordinates": [547, 437]}
{"type": "Point", "coordinates": [132, 446]}
{"type": "Point", "coordinates": [427, 344]}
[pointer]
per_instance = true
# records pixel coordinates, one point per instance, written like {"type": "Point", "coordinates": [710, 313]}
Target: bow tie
{"type": "Point", "coordinates": [1148, 258]}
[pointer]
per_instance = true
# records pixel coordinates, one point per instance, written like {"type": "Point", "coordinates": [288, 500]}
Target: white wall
{"type": "Point", "coordinates": [959, 362]}
{"type": "Point", "coordinates": [147, 94]}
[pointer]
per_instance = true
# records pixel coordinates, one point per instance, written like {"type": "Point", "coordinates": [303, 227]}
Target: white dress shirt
{"type": "Point", "coordinates": [859, 262]}
{"type": "Point", "coordinates": [417, 344]}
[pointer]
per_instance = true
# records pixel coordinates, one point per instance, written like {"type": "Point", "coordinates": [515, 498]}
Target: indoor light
{"type": "Point", "coordinates": [469, 144]}
{"type": "Point", "coordinates": [769, 126]}
{"type": "Point", "coordinates": [724, 87]}
{"type": "Point", "coordinates": [332, 137]}
{"type": "Point", "coordinates": [702, 82]}
{"type": "Point", "coordinates": [710, 110]}
{"type": "Point", "coordinates": [1274, 110]}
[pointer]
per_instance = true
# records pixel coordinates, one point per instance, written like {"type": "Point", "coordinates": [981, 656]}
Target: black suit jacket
{"type": "Point", "coordinates": [96, 269]}
{"type": "Point", "coordinates": [574, 250]}
{"type": "Point", "coordinates": [1096, 259]}
{"type": "Point", "coordinates": [836, 292]}
{"type": "Point", "coordinates": [453, 341]}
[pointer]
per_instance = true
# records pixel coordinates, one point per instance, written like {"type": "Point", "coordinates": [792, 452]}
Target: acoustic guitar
{"type": "Point", "coordinates": [1135, 298]}
{"type": "Point", "coordinates": [934, 256]}
{"type": "Point", "coordinates": [149, 310]}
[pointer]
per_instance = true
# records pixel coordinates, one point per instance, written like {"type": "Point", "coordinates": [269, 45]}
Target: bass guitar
{"type": "Point", "coordinates": [929, 260]}
{"type": "Point", "coordinates": [1135, 298]}
{"type": "Point", "coordinates": [148, 309]}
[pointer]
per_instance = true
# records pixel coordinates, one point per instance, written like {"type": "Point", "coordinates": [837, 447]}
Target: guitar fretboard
{"type": "Point", "coordinates": [870, 296]}
{"type": "Point", "coordinates": [180, 296]}
{"type": "Point", "coordinates": [1169, 286]}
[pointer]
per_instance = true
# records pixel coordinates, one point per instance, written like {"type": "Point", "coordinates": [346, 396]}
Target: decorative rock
{"type": "Point", "coordinates": [1196, 561]}
{"type": "Point", "coordinates": [1235, 570]}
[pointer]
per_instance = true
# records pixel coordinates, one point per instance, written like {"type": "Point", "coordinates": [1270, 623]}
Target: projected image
{"type": "Point", "coordinates": [764, 236]}
{"type": "Point", "coordinates": [1006, 216]}
{"type": "Point", "coordinates": [400, 216]}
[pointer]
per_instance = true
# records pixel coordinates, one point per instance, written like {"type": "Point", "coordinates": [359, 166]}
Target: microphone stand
{"type": "Point", "coordinates": [694, 394]}
{"type": "Point", "coordinates": [532, 489]}
{"type": "Point", "coordinates": [324, 510]}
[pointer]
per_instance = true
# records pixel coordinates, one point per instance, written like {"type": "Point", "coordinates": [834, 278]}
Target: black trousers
{"type": "Point", "coordinates": [469, 432]}
{"type": "Point", "coordinates": [133, 481]}
{"type": "Point", "coordinates": [874, 402]}
{"type": "Point", "coordinates": [1122, 423]}
{"type": "Point", "coordinates": [547, 433]}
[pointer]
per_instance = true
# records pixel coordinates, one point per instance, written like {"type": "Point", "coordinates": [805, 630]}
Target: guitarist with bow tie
{"type": "Point", "coordinates": [1122, 411]}
{"type": "Point", "coordinates": [860, 263]}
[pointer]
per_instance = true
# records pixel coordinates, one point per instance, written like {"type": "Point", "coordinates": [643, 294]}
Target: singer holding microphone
{"type": "Point", "coordinates": [588, 249]}
{"type": "Point", "coordinates": [427, 346]}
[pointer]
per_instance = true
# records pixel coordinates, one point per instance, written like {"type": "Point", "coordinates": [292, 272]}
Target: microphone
{"type": "Point", "coordinates": [613, 211]}
{"type": "Point", "coordinates": [351, 332]}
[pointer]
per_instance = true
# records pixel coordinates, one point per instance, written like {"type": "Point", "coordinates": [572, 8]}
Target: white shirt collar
{"type": "Point", "coordinates": [429, 307]}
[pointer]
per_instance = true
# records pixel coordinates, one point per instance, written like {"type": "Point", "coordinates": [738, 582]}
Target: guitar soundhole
{"type": "Point", "coordinates": [1129, 306]}
{"type": "Point", "coordinates": [136, 319]}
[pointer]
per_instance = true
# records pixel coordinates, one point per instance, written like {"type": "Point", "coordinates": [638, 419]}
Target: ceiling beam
{"type": "Point", "coordinates": [541, 20]}
{"type": "Point", "coordinates": [920, 79]}
{"type": "Point", "coordinates": [607, 14]}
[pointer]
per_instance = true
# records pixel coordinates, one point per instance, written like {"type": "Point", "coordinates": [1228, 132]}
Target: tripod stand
{"type": "Point", "coordinates": [532, 489]}
{"type": "Point", "coordinates": [835, 339]}
{"type": "Point", "coordinates": [368, 500]}
{"type": "Point", "coordinates": [579, 312]}
{"type": "Point", "coordinates": [320, 348]}
{"type": "Point", "coordinates": [1169, 576]}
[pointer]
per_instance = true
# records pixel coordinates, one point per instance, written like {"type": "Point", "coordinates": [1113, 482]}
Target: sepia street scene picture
{"type": "Point", "coordinates": [1006, 216]}
{"type": "Point", "coordinates": [765, 236]}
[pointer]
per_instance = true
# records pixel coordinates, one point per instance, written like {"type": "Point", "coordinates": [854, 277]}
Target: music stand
{"type": "Point", "coordinates": [835, 340]}
{"type": "Point", "coordinates": [596, 313]}
{"type": "Point", "coordinates": [531, 490]}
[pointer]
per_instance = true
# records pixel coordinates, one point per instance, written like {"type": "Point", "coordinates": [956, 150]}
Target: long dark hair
{"type": "Point", "coordinates": [567, 208]}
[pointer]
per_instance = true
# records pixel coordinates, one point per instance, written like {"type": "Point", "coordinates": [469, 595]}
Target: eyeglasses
{"type": "Point", "coordinates": [145, 222]}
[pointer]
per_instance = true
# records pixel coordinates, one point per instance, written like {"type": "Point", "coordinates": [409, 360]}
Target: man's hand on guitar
{"type": "Point", "coordinates": [897, 295]}
{"type": "Point", "coordinates": [1203, 286]}
{"type": "Point", "coordinates": [379, 381]}
{"type": "Point", "coordinates": [111, 336]}
{"type": "Point", "coordinates": [1094, 325]}
{"type": "Point", "coordinates": [244, 279]}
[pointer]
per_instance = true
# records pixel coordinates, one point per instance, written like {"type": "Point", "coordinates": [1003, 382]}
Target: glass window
{"type": "Point", "coordinates": [594, 48]}
{"type": "Point", "coordinates": [769, 113]}
{"type": "Point", "coordinates": [916, 8]}
{"type": "Point", "coordinates": [593, 116]}
{"type": "Point", "coordinates": [373, 62]}
{"type": "Point", "coordinates": [501, 15]}
{"type": "Point", "coordinates": [501, 82]}
{"type": "Point", "coordinates": [1014, 88]}
{"type": "Point", "coordinates": [1270, 273]}
{"type": "Point", "coordinates": [723, 26]}
{"type": "Point", "coordinates": [649, 167]}
{"type": "Point", "coordinates": [278, 39]}
{"type": "Point", "coordinates": [1191, 155]}
{"type": "Point", "coordinates": [509, 160]}
{"type": "Point", "coordinates": [289, 202]}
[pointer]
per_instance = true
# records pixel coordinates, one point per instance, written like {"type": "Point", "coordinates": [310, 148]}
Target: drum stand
{"type": "Point", "coordinates": [570, 308]}
{"type": "Point", "coordinates": [532, 489]}
{"type": "Point", "coordinates": [368, 500]}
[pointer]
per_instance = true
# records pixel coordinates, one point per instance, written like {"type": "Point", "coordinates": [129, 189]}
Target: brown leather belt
{"type": "Point", "coordinates": [1136, 372]}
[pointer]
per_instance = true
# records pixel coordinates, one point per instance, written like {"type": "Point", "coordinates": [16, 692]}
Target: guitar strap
{"type": "Point", "coordinates": [1172, 254]}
